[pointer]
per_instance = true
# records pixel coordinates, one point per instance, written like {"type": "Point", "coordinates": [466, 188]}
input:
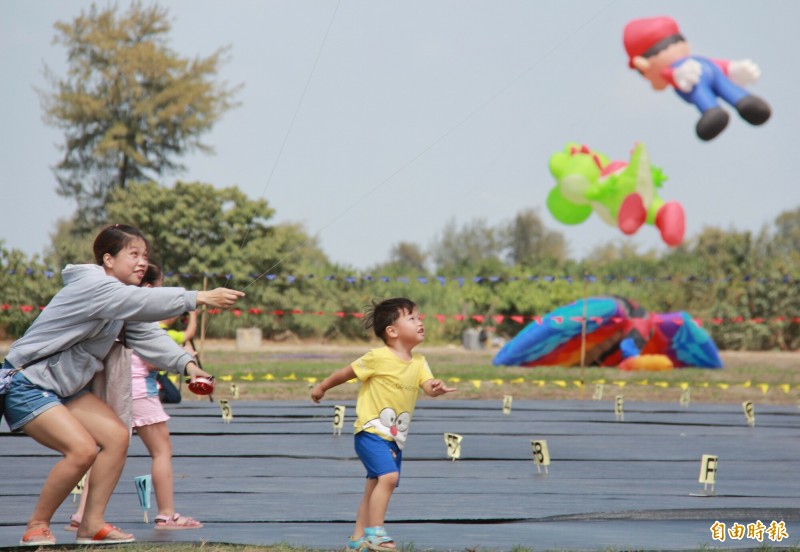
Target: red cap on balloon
{"type": "Point", "coordinates": [642, 34]}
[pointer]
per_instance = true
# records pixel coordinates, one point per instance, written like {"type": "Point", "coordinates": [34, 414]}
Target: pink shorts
{"type": "Point", "coordinates": [148, 411]}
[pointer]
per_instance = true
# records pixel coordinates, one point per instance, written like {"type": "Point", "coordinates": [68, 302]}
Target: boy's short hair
{"type": "Point", "coordinates": [381, 315]}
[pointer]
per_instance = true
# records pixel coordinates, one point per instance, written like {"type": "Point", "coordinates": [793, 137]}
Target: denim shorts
{"type": "Point", "coordinates": [378, 455]}
{"type": "Point", "coordinates": [25, 401]}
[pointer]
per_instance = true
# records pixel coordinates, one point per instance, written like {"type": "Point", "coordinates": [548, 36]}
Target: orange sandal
{"type": "Point", "coordinates": [38, 536]}
{"type": "Point", "coordinates": [103, 536]}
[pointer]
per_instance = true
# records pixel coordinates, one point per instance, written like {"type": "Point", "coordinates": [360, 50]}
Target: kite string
{"type": "Point", "coordinates": [286, 136]}
{"type": "Point", "coordinates": [294, 116]}
{"type": "Point", "coordinates": [433, 144]}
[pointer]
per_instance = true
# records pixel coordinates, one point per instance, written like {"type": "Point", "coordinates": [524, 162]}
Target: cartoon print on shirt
{"type": "Point", "coordinates": [391, 424]}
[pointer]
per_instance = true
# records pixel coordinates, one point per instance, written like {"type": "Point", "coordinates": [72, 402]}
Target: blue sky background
{"type": "Point", "coordinates": [423, 111]}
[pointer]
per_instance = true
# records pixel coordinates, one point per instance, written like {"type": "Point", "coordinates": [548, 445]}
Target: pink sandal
{"type": "Point", "coordinates": [177, 521]}
{"type": "Point", "coordinates": [74, 523]}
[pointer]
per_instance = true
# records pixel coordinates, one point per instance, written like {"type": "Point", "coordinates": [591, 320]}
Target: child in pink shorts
{"type": "Point", "coordinates": [150, 423]}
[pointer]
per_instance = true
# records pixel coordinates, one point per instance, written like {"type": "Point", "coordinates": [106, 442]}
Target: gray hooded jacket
{"type": "Point", "coordinates": [72, 335]}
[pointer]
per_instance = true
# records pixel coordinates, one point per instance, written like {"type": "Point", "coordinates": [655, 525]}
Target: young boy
{"type": "Point", "coordinates": [390, 380]}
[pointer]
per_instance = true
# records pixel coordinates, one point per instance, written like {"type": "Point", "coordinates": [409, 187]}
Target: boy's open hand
{"type": "Point", "coordinates": [437, 387]}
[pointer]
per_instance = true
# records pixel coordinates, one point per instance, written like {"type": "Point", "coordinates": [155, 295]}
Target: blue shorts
{"type": "Point", "coordinates": [25, 401]}
{"type": "Point", "coordinates": [378, 455]}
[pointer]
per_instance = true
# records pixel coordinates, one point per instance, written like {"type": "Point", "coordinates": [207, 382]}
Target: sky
{"type": "Point", "coordinates": [376, 122]}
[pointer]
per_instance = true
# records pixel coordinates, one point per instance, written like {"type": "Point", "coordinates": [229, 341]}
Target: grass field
{"type": "Point", "coordinates": [282, 371]}
{"type": "Point", "coordinates": [286, 371]}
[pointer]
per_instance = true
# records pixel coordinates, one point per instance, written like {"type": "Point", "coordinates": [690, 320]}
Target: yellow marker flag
{"type": "Point", "coordinates": [476, 383]}
{"type": "Point", "coordinates": [248, 377]}
{"type": "Point", "coordinates": [708, 471]}
{"type": "Point", "coordinates": [620, 383]}
{"type": "Point", "coordinates": [764, 387]}
{"type": "Point", "coordinates": [268, 377]}
{"type": "Point", "coordinates": [540, 383]}
{"type": "Point", "coordinates": [311, 380]}
{"type": "Point", "coordinates": [79, 488]}
{"type": "Point", "coordinates": [747, 384]}
{"type": "Point", "coordinates": [643, 382]}
{"type": "Point", "coordinates": [522, 380]}
{"type": "Point", "coordinates": [663, 384]}
{"type": "Point", "coordinates": [507, 400]}
{"type": "Point", "coordinates": [686, 395]}
{"type": "Point", "coordinates": [227, 411]}
{"type": "Point", "coordinates": [541, 455]}
{"type": "Point", "coordinates": [684, 385]}
{"type": "Point", "coordinates": [600, 381]}
{"type": "Point", "coordinates": [786, 388]}
{"type": "Point", "coordinates": [453, 443]}
{"type": "Point", "coordinates": [290, 377]}
{"type": "Point", "coordinates": [497, 381]}
{"type": "Point", "coordinates": [749, 413]}
{"type": "Point", "coordinates": [226, 377]}
{"type": "Point", "coordinates": [454, 380]}
{"type": "Point", "coordinates": [723, 385]}
{"type": "Point", "coordinates": [560, 383]}
{"type": "Point", "coordinates": [174, 378]}
{"type": "Point", "coordinates": [338, 418]}
{"type": "Point", "coordinates": [703, 384]}
{"type": "Point", "coordinates": [577, 383]}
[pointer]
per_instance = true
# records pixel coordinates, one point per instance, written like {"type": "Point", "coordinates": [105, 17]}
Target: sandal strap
{"type": "Point", "coordinates": [105, 531]}
{"type": "Point", "coordinates": [377, 535]}
{"type": "Point", "coordinates": [41, 531]}
{"type": "Point", "coordinates": [356, 544]}
{"type": "Point", "coordinates": [175, 519]}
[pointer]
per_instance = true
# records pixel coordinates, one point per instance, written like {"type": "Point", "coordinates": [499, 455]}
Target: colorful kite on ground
{"type": "Point", "coordinates": [556, 339]}
{"type": "Point", "coordinates": [623, 194]}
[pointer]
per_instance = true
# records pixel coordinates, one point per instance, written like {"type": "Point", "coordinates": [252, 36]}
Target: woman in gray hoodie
{"type": "Point", "coordinates": [64, 348]}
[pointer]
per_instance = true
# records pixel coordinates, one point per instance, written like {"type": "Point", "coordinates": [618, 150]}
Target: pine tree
{"type": "Point", "coordinates": [129, 105]}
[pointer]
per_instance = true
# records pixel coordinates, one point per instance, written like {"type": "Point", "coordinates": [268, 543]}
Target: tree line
{"type": "Point", "coordinates": [746, 282]}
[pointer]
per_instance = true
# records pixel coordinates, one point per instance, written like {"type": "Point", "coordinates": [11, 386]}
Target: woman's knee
{"type": "Point", "coordinates": [82, 453]}
{"type": "Point", "coordinates": [116, 439]}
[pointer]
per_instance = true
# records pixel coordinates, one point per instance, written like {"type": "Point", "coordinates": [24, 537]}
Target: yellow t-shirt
{"type": "Point", "coordinates": [388, 393]}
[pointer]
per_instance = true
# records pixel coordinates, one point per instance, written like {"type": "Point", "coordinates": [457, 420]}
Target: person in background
{"type": "Point", "coordinates": [150, 422]}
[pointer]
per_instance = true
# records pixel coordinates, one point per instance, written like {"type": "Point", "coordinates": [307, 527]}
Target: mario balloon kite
{"type": "Point", "coordinates": [623, 194]}
{"type": "Point", "coordinates": [658, 50]}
